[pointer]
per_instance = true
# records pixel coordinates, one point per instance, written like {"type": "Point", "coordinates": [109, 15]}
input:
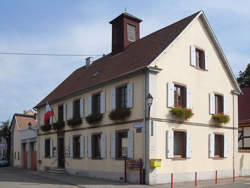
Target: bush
{"type": "Point", "coordinates": [221, 118]}
{"type": "Point", "coordinates": [182, 113]}
{"type": "Point", "coordinates": [120, 114]}
{"type": "Point", "coordinates": [58, 125]}
{"type": "Point", "coordinates": [94, 118]}
{"type": "Point", "coordinates": [46, 127]}
{"type": "Point", "coordinates": [74, 122]}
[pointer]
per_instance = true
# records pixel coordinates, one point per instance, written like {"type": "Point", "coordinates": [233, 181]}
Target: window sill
{"type": "Point", "coordinates": [179, 158]}
{"type": "Point", "coordinates": [198, 68]}
{"type": "Point", "coordinates": [218, 158]}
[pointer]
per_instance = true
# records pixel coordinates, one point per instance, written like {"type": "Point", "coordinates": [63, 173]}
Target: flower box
{"type": "Point", "coordinates": [58, 125]}
{"type": "Point", "coordinates": [221, 118]}
{"type": "Point", "coordinates": [94, 118]}
{"type": "Point", "coordinates": [74, 122]}
{"type": "Point", "coordinates": [182, 113]}
{"type": "Point", "coordinates": [120, 114]}
{"type": "Point", "coordinates": [46, 127]}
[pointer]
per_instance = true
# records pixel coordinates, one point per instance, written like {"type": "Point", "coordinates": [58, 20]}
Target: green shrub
{"type": "Point", "coordinates": [74, 122]}
{"type": "Point", "coordinates": [221, 118]}
{"type": "Point", "coordinates": [182, 113]}
{"type": "Point", "coordinates": [58, 125]}
{"type": "Point", "coordinates": [46, 127]}
{"type": "Point", "coordinates": [120, 114]}
{"type": "Point", "coordinates": [94, 118]}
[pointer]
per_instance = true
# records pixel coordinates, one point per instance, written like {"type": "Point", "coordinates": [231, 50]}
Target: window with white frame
{"type": "Point", "coordinates": [199, 58]}
{"type": "Point", "coordinates": [218, 146]}
{"type": "Point", "coordinates": [131, 31]}
{"type": "Point", "coordinates": [218, 103]}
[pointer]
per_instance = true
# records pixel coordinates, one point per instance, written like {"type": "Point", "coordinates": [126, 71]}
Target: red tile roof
{"type": "Point", "coordinates": [244, 106]}
{"type": "Point", "coordinates": [136, 56]}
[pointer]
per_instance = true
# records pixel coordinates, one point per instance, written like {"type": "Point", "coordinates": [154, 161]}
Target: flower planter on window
{"type": "Point", "coordinates": [94, 118]}
{"type": "Point", "coordinates": [46, 127]}
{"type": "Point", "coordinates": [74, 122]}
{"type": "Point", "coordinates": [120, 114]}
{"type": "Point", "coordinates": [220, 118]}
{"type": "Point", "coordinates": [58, 125]}
{"type": "Point", "coordinates": [182, 113]}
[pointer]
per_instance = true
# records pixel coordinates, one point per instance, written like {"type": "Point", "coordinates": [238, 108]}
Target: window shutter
{"type": "Point", "coordinates": [103, 101]}
{"type": "Point", "coordinates": [225, 153]}
{"type": "Point", "coordinates": [81, 107]}
{"type": "Point", "coordinates": [103, 145]}
{"type": "Point", "coordinates": [44, 148]}
{"type": "Point", "coordinates": [89, 105]}
{"type": "Point", "coordinates": [211, 145]}
{"type": "Point", "coordinates": [189, 98]}
{"type": "Point", "coordinates": [131, 144]}
{"type": "Point", "coordinates": [89, 146]}
{"type": "Point", "coordinates": [113, 98]}
{"type": "Point", "coordinates": [71, 110]}
{"type": "Point", "coordinates": [225, 105]}
{"type": "Point", "coordinates": [212, 103]}
{"type": "Point", "coordinates": [82, 147]}
{"type": "Point", "coordinates": [130, 95]}
{"type": "Point", "coordinates": [51, 120]}
{"type": "Point", "coordinates": [113, 145]}
{"type": "Point", "coordinates": [192, 55]}
{"type": "Point", "coordinates": [71, 147]}
{"type": "Point", "coordinates": [51, 147]}
{"type": "Point", "coordinates": [170, 94]}
{"type": "Point", "coordinates": [64, 112]}
{"type": "Point", "coordinates": [188, 145]}
{"type": "Point", "coordinates": [170, 144]}
{"type": "Point", "coordinates": [206, 60]}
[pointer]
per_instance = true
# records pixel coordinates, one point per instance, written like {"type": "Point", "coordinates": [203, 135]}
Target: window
{"type": "Point", "coordinates": [122, 144]}
{"type": "Point", "coordinates": [218, 104]}
{"type": "Point", "coordinates": [121, 97]}
{"type": "Point", "coordinates": [219, 145]}
{"type": "Point", "coordinates": [179, 96]}
{"type": "Point", "coordinates": [47, 148]}
{"type": "Point", "coordinates": [76, 109]}
{"type": "Point", "coordinates": [76, 147]}
{"type": "Point", "coordinates": [96, 103]}
{"type": "Point", "coordinates": [179, 144]}
{"type": "Point", "coordinates": [96, 146]}
{"type": "Point", "coordinates": [131, 30]}
{"type": "Point", "coordinates": [60, 113]}
{"type": "Point", "coordinates": [200, 58]}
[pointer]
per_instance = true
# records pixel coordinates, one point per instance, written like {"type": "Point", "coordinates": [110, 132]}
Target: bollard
{"type": "Point", "coordinates": [216, 177]}
{"type": "Point", "coordinates": [233, 175]}
{"type": "Point", "coordinates": [195, 179]}
{"type": "Point", "coordinates": [172, 180]}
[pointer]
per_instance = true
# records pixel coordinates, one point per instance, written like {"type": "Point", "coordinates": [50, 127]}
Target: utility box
{"type": "Point", "coordinates": [155, 163]}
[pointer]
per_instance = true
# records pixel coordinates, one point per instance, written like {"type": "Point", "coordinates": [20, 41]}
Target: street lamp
{"type": "Point", "coordinates": [149, 103]}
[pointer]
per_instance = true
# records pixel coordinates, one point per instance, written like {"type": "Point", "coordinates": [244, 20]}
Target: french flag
{"type": "Point", "coordinates": [48, 113]}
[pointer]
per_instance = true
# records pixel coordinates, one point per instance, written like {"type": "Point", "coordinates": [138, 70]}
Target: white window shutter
{"type": "Point", "coordinates": [211, 103]}
{"type": "Point", "coordinates": [82, 148]}
{"type": "Point", "coordinates": [64, 112]}
{"type": "Point", "coordinates": [103, 145]}
{"type": "Point", "coordinates": [51, 120]}
{"type": "Point", "coordinates": [113, 145]}
{"type": "Point", "coordinates": [170, 94]}
{"type": "Point", "coordinates": [51, 147]}
{"type": "Point", "coordinates": [89, 105]}
{"type": "Point", "coordinates": [189, 98]}
{"type": "Point", "coordinates": [170, 144]}
{"type": "Point", "coordinates": [192, 55]}
{"type": "Point", "coordinates": [131, 144]}
{"type": "Point", "coordinates": [130, 94]}
{"type": "Point", "coordinates": [225, 105]}
{"type": "Point", "coordinates": [113, 98]}
{"type": "Point", "coordinates": [71, 147]}
{"type": "Point", "coordinates": [89, 146]}
{"type": "Point", "coordinates": [206, 60]}
{"type": "Point", "coordinates": [225, 153]}
{"type": "Point", "coordinates": [81, 107]}
{"type": "Point", "coordinates": [103, 102]}
{"type": "Point", "coordinates": [71, 110]}
{"type": "Point", "coordinates": [188, 145]}
{"type": "Point", "coordinates": [211, 145]}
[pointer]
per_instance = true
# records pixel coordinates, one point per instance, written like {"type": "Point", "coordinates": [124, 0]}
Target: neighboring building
{"type": "Point", "coordinates": [179, 65]}
{"type": "Point", "coordinates": [244, 120]}
{"type": "Point", "coordinates": [23, 129]}
{"type": "Point", "coordinates": [3, 146]}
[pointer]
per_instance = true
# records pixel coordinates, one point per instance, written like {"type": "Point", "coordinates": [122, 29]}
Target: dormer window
{"type": "Point", "coordinates": [131, 30]}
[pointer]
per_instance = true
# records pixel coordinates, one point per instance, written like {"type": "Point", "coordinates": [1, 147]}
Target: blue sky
{"type": "Point", "coordinates": [82, 27]}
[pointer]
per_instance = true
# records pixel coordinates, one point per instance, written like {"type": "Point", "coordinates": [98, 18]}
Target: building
{"type": "Point", "coordinates": [23, 130]}
{"type": "Point", "coordinates": [3, 146]}
{"type": "Point", "coordinates": [104, 111]}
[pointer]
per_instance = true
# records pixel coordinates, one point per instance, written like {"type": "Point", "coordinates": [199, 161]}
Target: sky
{"type": "Point", "coordinates": [82, 27]}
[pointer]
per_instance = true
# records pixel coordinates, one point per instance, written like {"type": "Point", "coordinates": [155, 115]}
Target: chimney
{"type": "Point", "coordinates": [88, 62]}
{"type": "Point", "coordinates": [125, 30]}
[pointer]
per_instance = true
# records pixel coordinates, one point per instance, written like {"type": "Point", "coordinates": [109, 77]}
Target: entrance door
{"type": "Point", "coordinates": [61, 159]}
{"type": "Point", "coordinates": [33, 156]}
{"type": "Point", "coordinates": [25, 156]}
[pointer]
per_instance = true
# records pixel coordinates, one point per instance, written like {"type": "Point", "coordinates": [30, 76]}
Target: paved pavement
{"type": "Point", "coordinates": [20, 178]}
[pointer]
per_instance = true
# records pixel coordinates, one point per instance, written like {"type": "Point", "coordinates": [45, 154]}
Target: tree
{"type": "Point", "coordinates": [4, 127]}
{"type": "Point", "coordinates": [244, 77]}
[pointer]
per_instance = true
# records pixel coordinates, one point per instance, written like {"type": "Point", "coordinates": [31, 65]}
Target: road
{"type": "Point", "coordinates": [19, 178]}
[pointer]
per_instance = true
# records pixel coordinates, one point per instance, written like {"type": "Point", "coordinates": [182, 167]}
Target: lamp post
{"type": "Point", "coordinates": [149, 103]}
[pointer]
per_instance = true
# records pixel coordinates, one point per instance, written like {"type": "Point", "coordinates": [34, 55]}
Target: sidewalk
{"type": "Point", "coordinates": [86, 182]}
